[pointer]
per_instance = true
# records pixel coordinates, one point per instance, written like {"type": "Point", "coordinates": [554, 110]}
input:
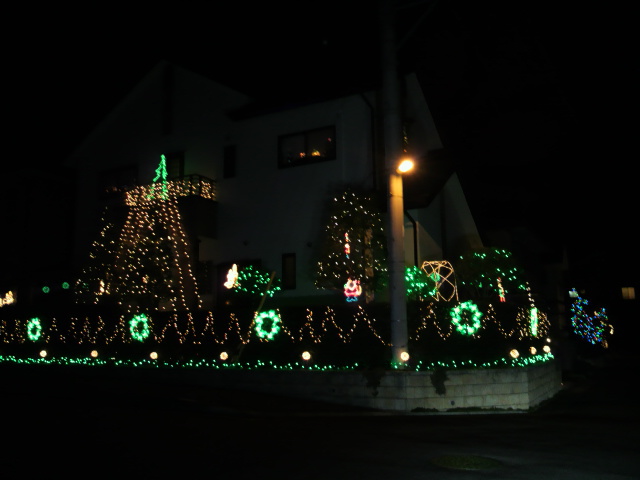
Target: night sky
{"type": "Point", "coordinates": [537, 102]}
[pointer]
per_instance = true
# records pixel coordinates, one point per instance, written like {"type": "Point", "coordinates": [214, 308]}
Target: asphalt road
{"type": "Point", "coordinates": [71, 424]}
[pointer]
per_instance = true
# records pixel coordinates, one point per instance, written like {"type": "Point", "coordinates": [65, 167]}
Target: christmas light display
{"type": "Point", "coordinates": [34, 329]}
{"type": "Point", "coordinates": [489, 271]}
{"type": "Point", "coordinates": [353, 244]}
{"type": "Point", "coordinates": [253, 281]}
{"type": "Point", "coordinates": [442, 273]}
{"type": "Point", "coordinates": [139, 327]}
{"type": "Point", "coordinates": [264, 333]}
{"type": "Point", "coordinates": [150, 267]}
{"type": "Point", "coordinates": [420, 285]}
{"type": "Point", "coordinates": [232, 277]}
{"type": "Point", "coordinates": [533, 321]}
{"type": "Point", "coordinates": [8, 298]}
{"type": "Point", "coordinates": [591, 327]}
{"type": "Point", "coordinates": [352, 290]}
{"type": "Point", "coordinates": [501, 291]}
{"type": "Point", "coordinates": [466, 318]}
{"type": "Point", "coordinates": [515, 361]}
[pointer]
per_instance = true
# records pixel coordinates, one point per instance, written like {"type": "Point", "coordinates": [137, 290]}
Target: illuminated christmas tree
{"type": "Point", "coordinates": [150, 268]}
{"type": "Point", "coordinates": [353, 246]}
{"type": "Point", "coordinates": [91, 286]}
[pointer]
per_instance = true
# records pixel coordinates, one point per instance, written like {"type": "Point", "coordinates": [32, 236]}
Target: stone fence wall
{"type": "Point", "coordinates": [515, 388]}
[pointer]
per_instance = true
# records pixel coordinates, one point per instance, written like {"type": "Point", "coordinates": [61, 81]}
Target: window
{"type": "Point", "coordinates": [288, 271]}
{"type": "Point", "coordinates": [628, 293]}
{"type": "Point", "coordinates": [307, 147]}
{"type": "Point", "coordinates": [229, 161]}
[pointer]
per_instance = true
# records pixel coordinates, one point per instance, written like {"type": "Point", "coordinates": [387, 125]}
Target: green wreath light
{"type": "Point", "coordinates": [34, 329]}
{"type": "Point", "coordinates": [275, 327]}
{"type": "Point", "coordinates": [139, 327]}
{"type": "Point", "coordinates": [466, 309]}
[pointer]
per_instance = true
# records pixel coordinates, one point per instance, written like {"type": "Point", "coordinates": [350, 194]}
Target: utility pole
{"type": "Point", "coordinates": [393, 147]}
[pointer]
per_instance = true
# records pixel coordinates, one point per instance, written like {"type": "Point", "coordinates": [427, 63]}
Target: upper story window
{"type": "Point", "coordinates": [307, 147]}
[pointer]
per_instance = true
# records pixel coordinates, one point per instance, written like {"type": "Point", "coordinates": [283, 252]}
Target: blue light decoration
{"type": "Point", "coordinates": [352, 290]}
{"type": "Point", "coordinates": [589, 327]}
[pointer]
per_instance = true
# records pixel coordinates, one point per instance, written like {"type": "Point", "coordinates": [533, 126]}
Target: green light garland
{"type": "Point", "coordinates": [275, 324]}
{"type": "Point", "coordinates": [139, 327]}
{"type": "Point", "coordinates": [465, 309]}
{"type": "Point", "coordinates": [34, 329]}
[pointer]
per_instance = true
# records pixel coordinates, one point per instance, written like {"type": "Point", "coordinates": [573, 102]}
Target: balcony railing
{"type": "Point", "coordinates": [177, 187]}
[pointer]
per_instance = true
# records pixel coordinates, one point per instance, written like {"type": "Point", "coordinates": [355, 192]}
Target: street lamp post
{"type": "Point", "coordinates": [393, 152]}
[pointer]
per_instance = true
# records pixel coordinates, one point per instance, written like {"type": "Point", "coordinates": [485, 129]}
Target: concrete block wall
{"type": "Point", "coordinates": [518, 388]}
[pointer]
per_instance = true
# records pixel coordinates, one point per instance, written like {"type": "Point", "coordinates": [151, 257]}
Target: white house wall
{"type": "Point", "coordinates": [266, 211]}
{"type": "Point", "coordinates": [443, 230]}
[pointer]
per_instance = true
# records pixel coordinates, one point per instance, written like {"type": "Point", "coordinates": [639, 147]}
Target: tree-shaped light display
{"type": "Point", "coordinates": [150, 268]}
{"type": "Point", "coordinates": [353, 244]}
{"type": "Point", "coordinates": [92, 284]}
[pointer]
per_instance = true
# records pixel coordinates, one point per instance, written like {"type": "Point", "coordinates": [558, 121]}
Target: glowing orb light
{"type": "Point", "coordinates": [94, 353]}
{"type": "Point", "coordinates": [153, 355]}
{"type": "Point", "coordinates": [224, 356]}
{"type": "Point", "coordinates": [532, 350]}
{"type": "Point", "coordinates": [404, 356]}
{"type": "Point", "coordinates": [514, 353]}
{"type": "Point", "coordinates": [306, 356]}
{"type": "Point", "coordinates": [43, 353]}
{"type": "Point", "coordinates": [547, 349]}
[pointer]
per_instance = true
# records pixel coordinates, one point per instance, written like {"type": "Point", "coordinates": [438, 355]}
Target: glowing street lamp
{"type": "Point", "coordinates": [405, 165]}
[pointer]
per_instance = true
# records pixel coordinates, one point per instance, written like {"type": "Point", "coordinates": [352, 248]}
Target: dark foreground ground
{"type": "Point", "coordinates": [70, 423]}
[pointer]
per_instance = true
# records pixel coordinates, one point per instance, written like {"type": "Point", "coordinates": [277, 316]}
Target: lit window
{"type": "Point", "coordinates": [628, 293]}
{"type": "Point", "coordinates": [307, 147]}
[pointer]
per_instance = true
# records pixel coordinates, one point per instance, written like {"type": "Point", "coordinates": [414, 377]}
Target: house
{"type": "Point", "coordinates": [256, 178]}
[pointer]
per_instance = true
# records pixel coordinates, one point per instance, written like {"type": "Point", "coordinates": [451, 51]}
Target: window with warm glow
{"type": "Point", "coordinates": [628, 293]}
{"type": "Point", "coordinates": [307, 147]}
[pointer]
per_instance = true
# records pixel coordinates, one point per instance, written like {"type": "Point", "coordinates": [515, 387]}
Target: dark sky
{"type": "Point", "coordinates": [538, 101]}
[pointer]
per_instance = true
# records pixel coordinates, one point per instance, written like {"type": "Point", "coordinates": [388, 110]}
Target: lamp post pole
{"type": "Point", "coordinates": [393, 152]}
